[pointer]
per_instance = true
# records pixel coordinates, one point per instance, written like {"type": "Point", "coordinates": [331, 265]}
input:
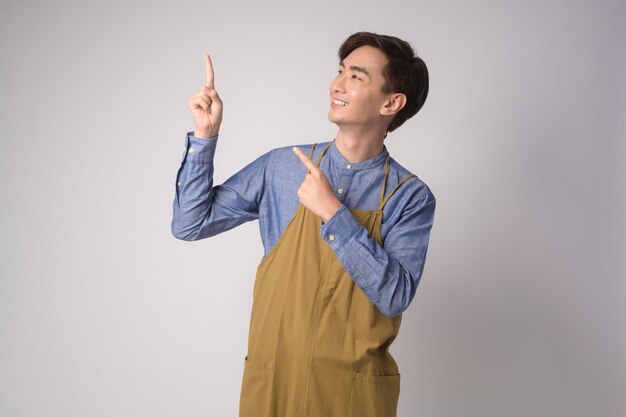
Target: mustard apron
{"type": "Point", "coordinates": [317, 346]}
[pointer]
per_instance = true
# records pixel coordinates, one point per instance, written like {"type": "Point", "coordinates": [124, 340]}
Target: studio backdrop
{"type": "Point", "coordinates": [521, 308]}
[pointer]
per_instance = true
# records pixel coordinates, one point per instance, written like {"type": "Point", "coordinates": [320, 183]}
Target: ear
{"type": "Point", "coordinates": [393, 105]}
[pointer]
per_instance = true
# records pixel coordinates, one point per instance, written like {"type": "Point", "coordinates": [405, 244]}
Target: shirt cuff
{"type": "Point", "coordinates": [199, 150]}
{"type": "Point", "coordinates": [340, 228]}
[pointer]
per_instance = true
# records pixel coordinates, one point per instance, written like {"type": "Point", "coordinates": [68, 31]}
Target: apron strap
{"type": "Point", "coordinates": [382, 205]}
{"type": "Point", "coordinates": [382, 190]}
{"type": "Point", "coordinates": [319, 159]}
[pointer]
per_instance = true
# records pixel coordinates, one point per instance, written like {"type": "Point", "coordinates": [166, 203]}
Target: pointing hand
{"type": "Point", "coordinates": [206, 106]}
{"type": "Point", "coordinates": [315, 192]}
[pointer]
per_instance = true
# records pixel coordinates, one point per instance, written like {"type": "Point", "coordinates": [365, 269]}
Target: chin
{"type": "Point", "coordinates": [335, 122]}
{"type": "Point", "coordinates": [331, 118]}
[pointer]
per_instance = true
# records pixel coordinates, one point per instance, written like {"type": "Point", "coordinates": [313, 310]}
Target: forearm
{"type": "Point", "coordinates": [194, 192]}
{"type": "Point", "coordinates": [387, 275]}
{"type": "Point", "coordinates": [388, 283]}
{"type": "Point", "coordinates": [202, 210]}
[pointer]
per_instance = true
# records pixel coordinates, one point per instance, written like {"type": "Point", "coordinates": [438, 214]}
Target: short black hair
{"type": "Point", "coordinates": [405, 73]}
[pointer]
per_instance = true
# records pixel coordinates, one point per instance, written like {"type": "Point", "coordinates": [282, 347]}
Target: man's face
{"type": "Point", "coordinates": [358, 85]}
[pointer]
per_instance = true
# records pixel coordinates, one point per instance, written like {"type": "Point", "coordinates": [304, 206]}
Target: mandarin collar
{"type": "Point", "coordinates": [341, 162]}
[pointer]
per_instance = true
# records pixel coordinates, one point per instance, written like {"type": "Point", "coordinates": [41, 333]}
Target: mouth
{"type": "Point", "coordinates": [338, 102]}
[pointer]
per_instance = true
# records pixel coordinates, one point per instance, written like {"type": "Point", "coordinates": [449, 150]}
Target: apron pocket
{"type": "Point", "coordinates": [375, 395]}
{"type": "Point", "coordinates": [329, 392]}
{"type": "Point", "coordinates": [256, 388]}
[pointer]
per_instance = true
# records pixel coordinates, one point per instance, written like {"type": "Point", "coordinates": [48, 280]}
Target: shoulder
{"type": "Point", "coordinates": [285, 154]}
{"type": "Point", "coordinates": [414, 188]}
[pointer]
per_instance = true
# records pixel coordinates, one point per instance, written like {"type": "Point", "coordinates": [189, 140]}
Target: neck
{"type": "Point", "coordinates": [358, 146]}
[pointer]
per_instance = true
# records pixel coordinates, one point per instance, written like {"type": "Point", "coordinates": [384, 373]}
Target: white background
{"type": "Point", "coordinates": [521, 310]}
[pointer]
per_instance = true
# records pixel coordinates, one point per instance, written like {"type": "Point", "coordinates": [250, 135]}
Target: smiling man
{"type": "Point", "coordinates": [345, 229]}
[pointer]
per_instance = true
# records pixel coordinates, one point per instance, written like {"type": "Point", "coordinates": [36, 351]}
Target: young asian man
{"type": "Point", "coordinates": [345, 230]}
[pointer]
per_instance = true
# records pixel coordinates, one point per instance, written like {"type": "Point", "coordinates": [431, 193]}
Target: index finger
{"type": "Point", "coordinates": [209, 69]}
{"type": "Point", "coordinates": [305, 159]}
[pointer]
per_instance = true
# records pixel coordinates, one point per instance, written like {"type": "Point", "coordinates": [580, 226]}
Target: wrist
{"type": "Point", "coordinates": [205, 134]}
{"type": "Point", "coordinates": [333, 208]}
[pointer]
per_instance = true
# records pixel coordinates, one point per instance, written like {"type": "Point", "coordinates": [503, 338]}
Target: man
{"type": "Point", "coordinates": [345, 230]}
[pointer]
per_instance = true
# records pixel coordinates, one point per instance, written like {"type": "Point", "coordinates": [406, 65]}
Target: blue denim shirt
{"type": "Point", "coordinates": [266, 189]}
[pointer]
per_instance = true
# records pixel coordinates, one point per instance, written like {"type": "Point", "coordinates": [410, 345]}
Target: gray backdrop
{"type": "Point", "coordinates": [521, 309]}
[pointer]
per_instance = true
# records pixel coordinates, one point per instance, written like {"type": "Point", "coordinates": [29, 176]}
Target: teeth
{"type": "Point", "coordinates": [339, 102]}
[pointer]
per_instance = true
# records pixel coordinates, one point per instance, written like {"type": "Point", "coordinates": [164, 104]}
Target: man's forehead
{"type": "Point", "coordinates": [367, 58]}
{"type": "Point", "coordinates": [358, 68]}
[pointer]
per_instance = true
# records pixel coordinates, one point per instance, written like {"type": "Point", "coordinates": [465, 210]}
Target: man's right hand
{"type": "Point", "coordinates": [206, 106]}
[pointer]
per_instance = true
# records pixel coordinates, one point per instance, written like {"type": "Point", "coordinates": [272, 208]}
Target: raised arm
{"type": "Point", "coordinates": [200, 209]}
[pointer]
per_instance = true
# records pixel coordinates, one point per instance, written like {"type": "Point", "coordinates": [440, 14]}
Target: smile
{"type": "Point", "coordinates": [339, 102]}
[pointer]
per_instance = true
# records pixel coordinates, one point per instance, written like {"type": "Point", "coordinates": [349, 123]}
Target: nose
{"type": "Point", "coordinates": [338, 84]}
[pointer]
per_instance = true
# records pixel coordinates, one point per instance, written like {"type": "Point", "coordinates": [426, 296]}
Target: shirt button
{"type": "Point", "coordinates": [190, 150]}
{"type": "Point", "coordinates": [179, 183]}
{"type": "Point", "coordinates": [340, 191]}
{"type": "Point", "coordinates": [331, 237]}
{"type": "Point", "coordinates": [348, 166]}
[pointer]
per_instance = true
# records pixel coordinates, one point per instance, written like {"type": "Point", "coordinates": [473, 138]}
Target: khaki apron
{"type": "Point", "coordinates": [317, 346]}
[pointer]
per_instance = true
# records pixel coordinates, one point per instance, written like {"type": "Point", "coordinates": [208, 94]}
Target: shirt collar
{"type": "Point", "coordinates": [338, 160]}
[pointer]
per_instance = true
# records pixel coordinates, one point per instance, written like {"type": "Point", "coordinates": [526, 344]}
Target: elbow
{"type": "Point", "coordinates": [180, 236]}
{"type": "Point", "coordinates": [394, 311]}
{"type": "Point", "coordinates": [391, 308]}
{"type": "Point", "coordinates": [182, 233]}
{"type": "Point", "coordinates": [401, 298]}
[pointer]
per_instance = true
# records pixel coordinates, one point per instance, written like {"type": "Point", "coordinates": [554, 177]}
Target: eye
{"type": "Point", "coordinates": [356, 76]}
{"type": "Point", "coordinates": [339, 72]}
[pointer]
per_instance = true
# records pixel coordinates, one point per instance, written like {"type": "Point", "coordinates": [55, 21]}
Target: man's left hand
{"type": "Point", "coordinates": [315, 192]}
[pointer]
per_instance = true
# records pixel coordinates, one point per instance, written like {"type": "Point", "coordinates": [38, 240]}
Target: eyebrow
{"type": "Point", "coordinates": [357, 68]}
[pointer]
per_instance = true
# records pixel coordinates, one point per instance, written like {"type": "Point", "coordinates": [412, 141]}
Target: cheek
{"type": "Point", "coordinates": [366, 101]}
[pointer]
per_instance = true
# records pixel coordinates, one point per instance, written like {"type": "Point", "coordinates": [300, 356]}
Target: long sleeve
{"type": "Point", "coordinates": [388, 276]}
{"type": "Point", "coordinates": [201, 210]}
